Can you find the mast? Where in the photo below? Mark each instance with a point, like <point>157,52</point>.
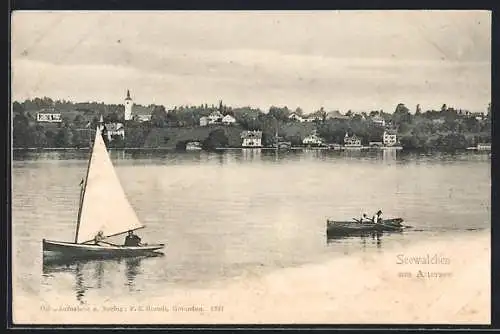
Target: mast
<point>82,192</point>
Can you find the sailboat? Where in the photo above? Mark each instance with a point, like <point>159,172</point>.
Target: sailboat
<point>103,209</point>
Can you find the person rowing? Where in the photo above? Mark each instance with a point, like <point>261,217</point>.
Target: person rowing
<point>377,218</point>
<point>364,219</point>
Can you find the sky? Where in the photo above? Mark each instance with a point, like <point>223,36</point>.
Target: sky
<point>339,60</point>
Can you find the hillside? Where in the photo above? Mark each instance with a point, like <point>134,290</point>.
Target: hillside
<point>170,137</point>
<point>296,130</point>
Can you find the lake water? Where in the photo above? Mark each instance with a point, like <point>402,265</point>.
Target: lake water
<point>224,215</point>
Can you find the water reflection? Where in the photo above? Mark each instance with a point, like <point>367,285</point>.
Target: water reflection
<point>159,156</point>
<point>54,154</point>
<point>353,154</point>
<point>118,154</point>
<point>99,273</point>
<point>91,274</point>
<point>389,155</point>
<point>279,156</point>
<point>79,283</point>
<point>312,152</point>
<point>250,154</point>
<point>365,238</point>
<point>132,269</point>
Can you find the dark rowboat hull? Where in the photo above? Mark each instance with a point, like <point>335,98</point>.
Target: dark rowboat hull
<point>347,227</point>
<point>69,249</point>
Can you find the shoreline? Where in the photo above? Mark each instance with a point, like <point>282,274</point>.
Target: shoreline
<point>296,148</point>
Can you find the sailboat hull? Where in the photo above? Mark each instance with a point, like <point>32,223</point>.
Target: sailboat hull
<point>96,251</point>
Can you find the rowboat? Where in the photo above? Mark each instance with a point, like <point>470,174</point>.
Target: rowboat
<point>103,208</point>
<point>347,227</point>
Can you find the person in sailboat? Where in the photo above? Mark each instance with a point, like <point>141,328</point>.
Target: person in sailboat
<point>132,239</point>
<point>99,237</point>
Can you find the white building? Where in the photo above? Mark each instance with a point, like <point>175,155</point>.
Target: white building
<point>114,129</point>
<point>336,115</point>
<point>312,140</point>
<point>378,120</point>
<point>143,117</point>
<point>251,139</point>
<point>438,121</point>
<point>313,119</point>
<point>351,141</point>
<point>484,146</point>
<point>215,117</point>
<point>479,116</point>
<point>296,117</point>
<point>128,107</point>
<point>389,138</point>
<point>193,146</point>
<point>141,113</point>
<point>228,120</point>
<point>49,116</point>
<point>203,121</point>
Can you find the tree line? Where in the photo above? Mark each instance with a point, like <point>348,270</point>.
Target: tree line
<point>446,128</point>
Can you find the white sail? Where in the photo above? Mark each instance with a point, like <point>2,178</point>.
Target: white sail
<point>105,206</point>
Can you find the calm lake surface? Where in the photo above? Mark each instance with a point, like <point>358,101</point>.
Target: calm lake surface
<point>223,215</point>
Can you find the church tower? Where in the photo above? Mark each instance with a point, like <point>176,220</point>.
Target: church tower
<point>128,107</point>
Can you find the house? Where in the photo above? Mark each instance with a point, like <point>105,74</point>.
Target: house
<point>114,129</point>
<point>375,144</point>
<point>215,117</point>
<point>313,118</point>
<point>203,121</point>
<point>141,113</point>
<point>251,138</point>
<point>228,120</point>
<point>359,115</point>
<point>438,121</point>
<point>351,141</point>
<point>336,115</point>
<point>48,116</point>
<point>389,138</point>
<point>479,116</point>
<point>296,117</point>
<point>312,140</point>
<point>377,120</point>
<point>193,146</point>
<point>484,146</point>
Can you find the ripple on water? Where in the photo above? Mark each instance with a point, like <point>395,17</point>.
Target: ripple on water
<point>236,214</point>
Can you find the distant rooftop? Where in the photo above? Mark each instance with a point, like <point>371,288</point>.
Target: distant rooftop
<point>113,126</point>
<point>251,134</point>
